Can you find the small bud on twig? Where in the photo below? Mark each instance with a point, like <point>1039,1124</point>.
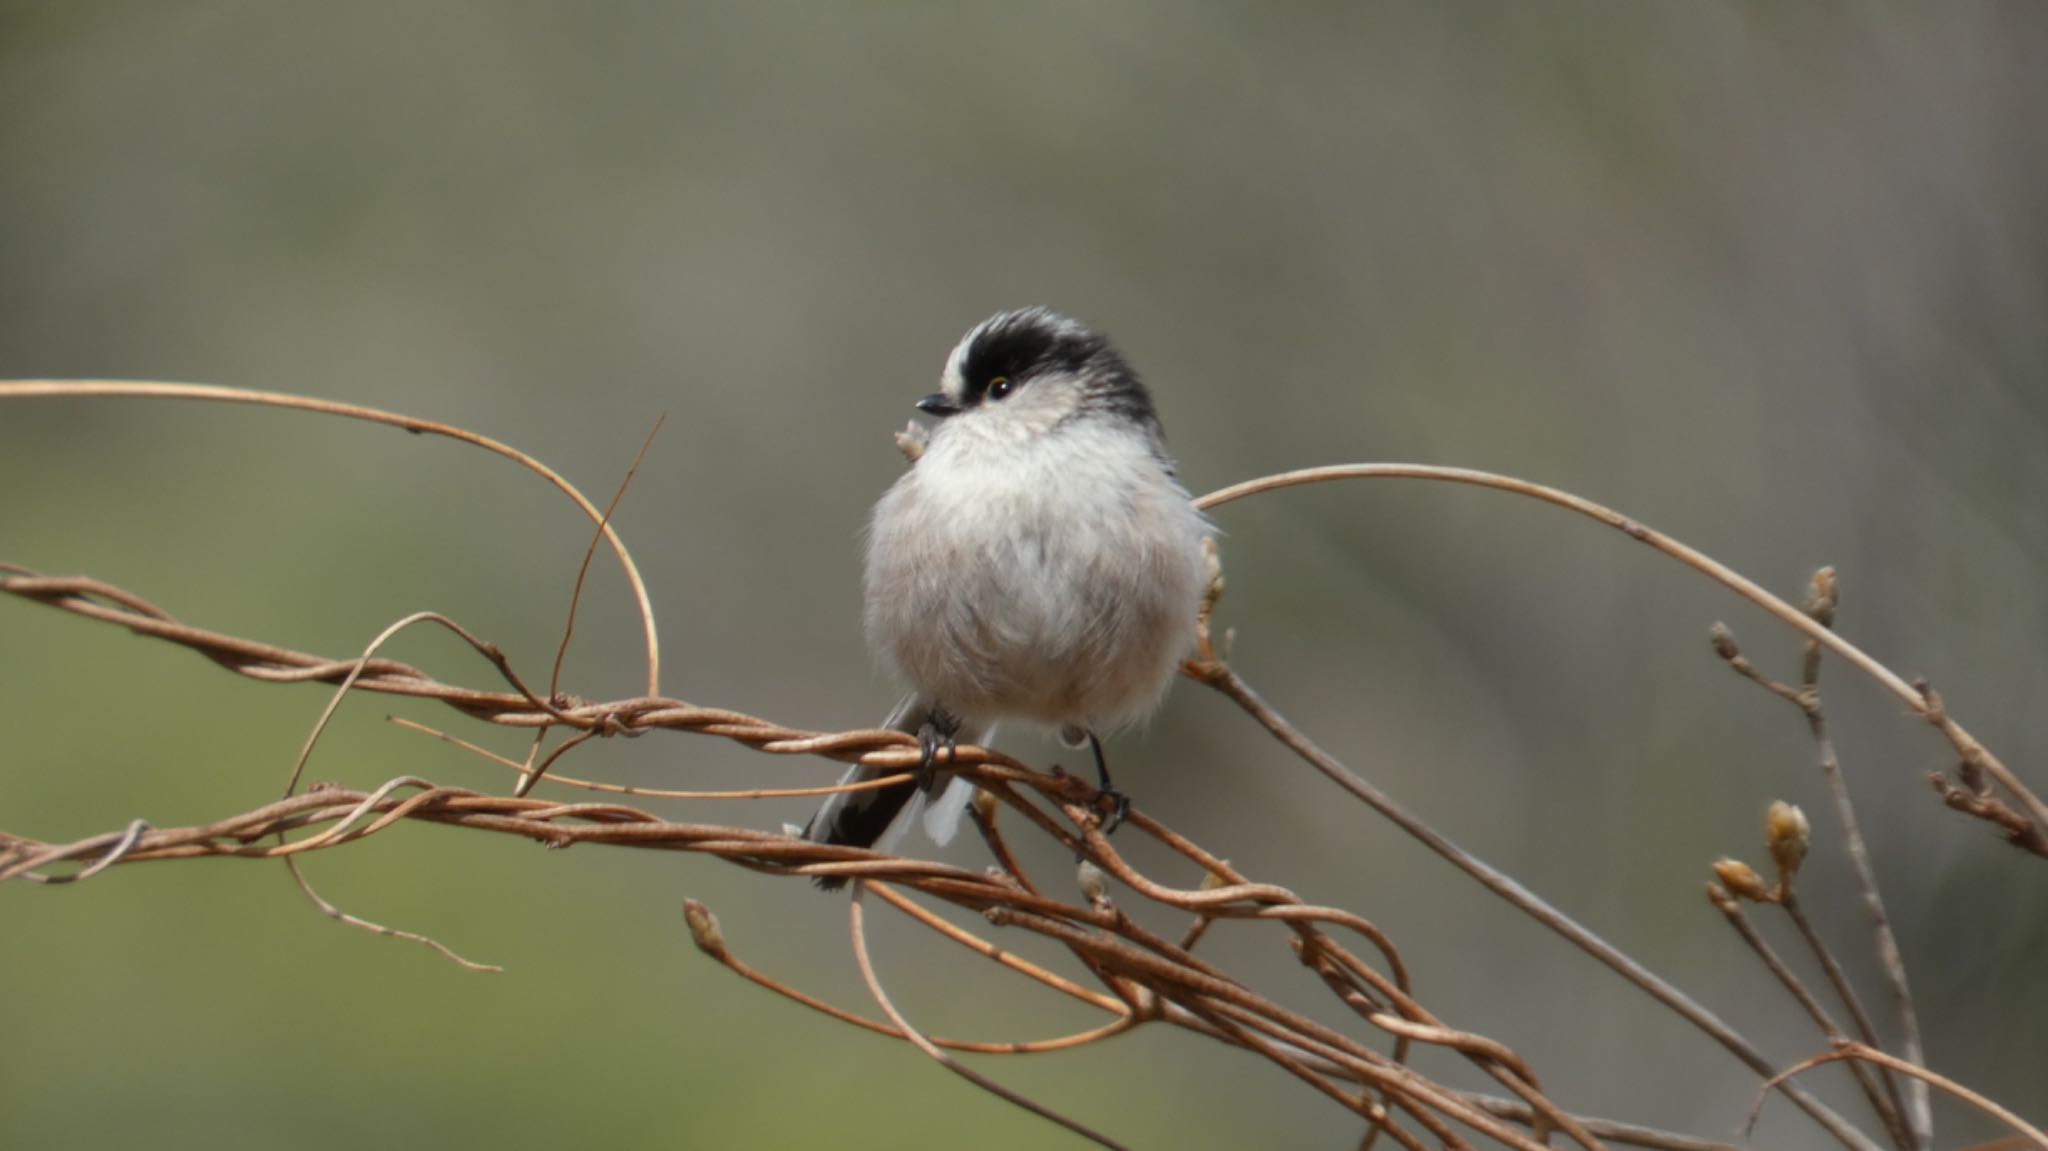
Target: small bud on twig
<point>704,930</point>
<point>1094,884</point>
<point>1787,832</point>
<point>1724,642</point>
<point>1742,879</point>
<point>1822,598</point>
<point>984,804</point>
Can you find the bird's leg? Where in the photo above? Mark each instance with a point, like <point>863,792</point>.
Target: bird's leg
<point>1119,803</point>
<point>935,733</point>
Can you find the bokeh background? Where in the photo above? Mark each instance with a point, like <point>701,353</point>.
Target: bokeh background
<point>1771,277</point>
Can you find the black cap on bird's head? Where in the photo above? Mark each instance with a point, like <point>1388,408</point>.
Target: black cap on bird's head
<point>1072,368</point>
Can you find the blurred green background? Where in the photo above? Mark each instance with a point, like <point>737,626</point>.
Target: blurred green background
<point>1771,277</point>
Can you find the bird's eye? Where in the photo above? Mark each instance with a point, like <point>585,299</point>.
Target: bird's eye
<point>999,387</point>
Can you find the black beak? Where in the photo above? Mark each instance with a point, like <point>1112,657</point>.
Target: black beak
<point>938,405</point>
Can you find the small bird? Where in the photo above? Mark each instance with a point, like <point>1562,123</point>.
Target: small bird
<point>1038,563</point>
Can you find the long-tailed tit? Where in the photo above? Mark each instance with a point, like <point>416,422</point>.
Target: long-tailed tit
<point>1038,563</point>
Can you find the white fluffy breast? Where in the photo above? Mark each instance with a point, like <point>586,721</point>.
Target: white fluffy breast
<point>1050,576</point>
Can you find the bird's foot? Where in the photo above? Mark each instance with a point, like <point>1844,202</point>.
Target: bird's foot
<point>1119,806</point>
<point>1118,803</point>
<point>934,735</point>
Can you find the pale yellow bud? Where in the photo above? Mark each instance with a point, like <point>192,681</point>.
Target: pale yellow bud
<point>1742,879</point>
<point>1787,833</point>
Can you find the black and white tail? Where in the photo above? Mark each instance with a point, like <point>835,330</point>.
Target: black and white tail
<point>877,818</point>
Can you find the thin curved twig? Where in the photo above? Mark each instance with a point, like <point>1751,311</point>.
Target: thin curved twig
<point>604,524</point>
<point>1884,1104</point>
<point>1217,675</point>
<point>918,1039</point>
<point>1913,697</point>
<point>339,916</point>
<point>1845,1049</point>
<point>876,784</point>
<point>150,389</point>
<point>710,939</point>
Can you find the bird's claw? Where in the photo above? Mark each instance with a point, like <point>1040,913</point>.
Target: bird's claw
<point>1119,806</point>
<point>1119,803</point>
<point>936,734</point>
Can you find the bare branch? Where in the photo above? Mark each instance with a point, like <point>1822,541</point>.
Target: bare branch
<point>917,1039</point>
<point>1846,1050</point>
<point>1139,977</point>
<point>135,389</point>
<point>1823,601</point>
<point>1227,681</point>
<point>1966,745</point>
